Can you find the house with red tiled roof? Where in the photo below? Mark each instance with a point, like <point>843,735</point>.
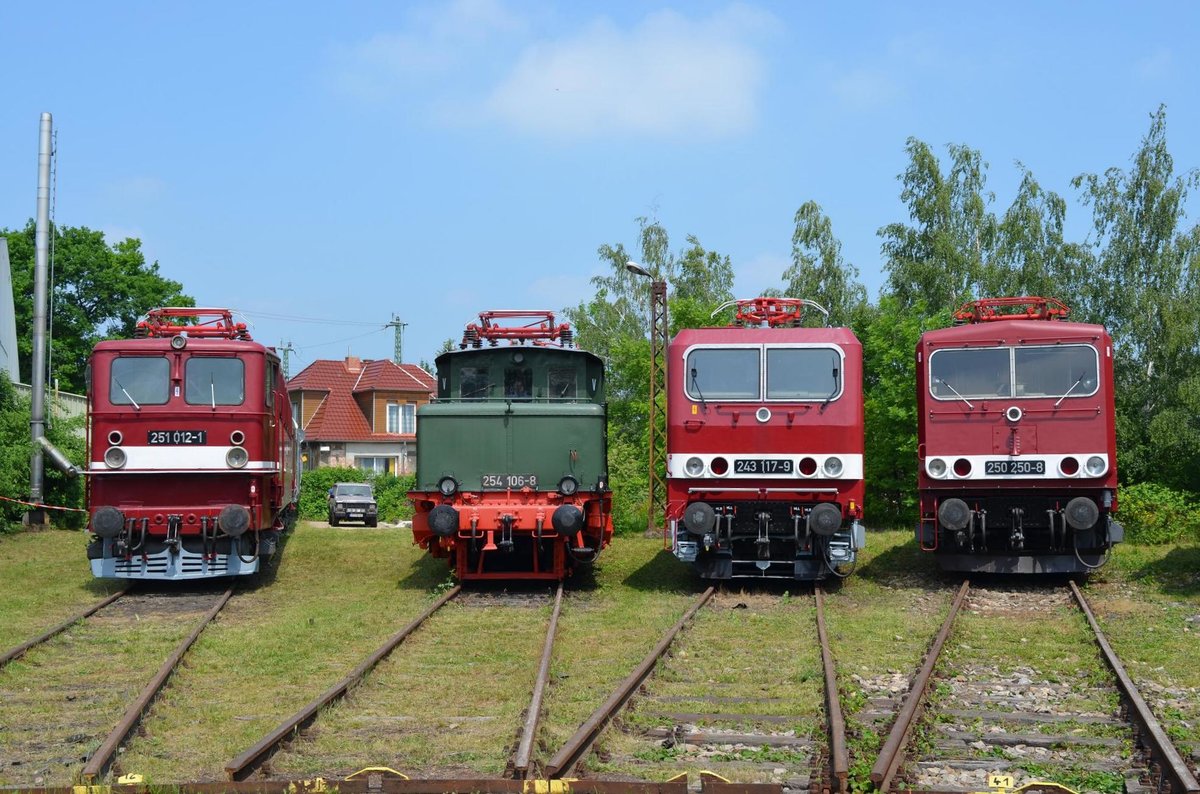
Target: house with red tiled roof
<point>360,413</point>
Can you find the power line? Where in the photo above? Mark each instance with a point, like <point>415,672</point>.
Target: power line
<point>339,341</point>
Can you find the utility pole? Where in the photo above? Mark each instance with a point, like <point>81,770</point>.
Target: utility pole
<point>285,349</point>
<point>398,353</point>
<point>657,497</point>
<point>41,268</point>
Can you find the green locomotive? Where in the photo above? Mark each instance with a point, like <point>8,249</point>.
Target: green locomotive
<point>512,457</point>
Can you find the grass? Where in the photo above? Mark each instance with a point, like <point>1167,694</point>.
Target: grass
<point>450,699</point>
<point>337,596</point>
<point>44,579</point>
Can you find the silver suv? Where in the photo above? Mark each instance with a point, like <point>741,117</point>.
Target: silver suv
<point>352,501</point>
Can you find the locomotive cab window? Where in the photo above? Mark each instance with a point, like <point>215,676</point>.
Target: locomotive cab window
<point>1061,370</point>
<point>722,373</point>
<point>518,383</point>
<point>139,380</point>
<point>473,383</point>
<point>214,381</point>
<point>803,373</point>
<point>563,383</point>
<point>1005,372</point>
<point>977,373</point>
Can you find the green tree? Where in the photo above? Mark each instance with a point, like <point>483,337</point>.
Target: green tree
<point>818,271</point>
<point>939,258</point>
<point>99,292</point>
<point>1143,283</point>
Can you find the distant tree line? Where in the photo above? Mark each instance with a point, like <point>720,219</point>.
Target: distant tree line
<point>1136,273</point>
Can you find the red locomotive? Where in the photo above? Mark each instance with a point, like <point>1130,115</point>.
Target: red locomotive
<point>512,456</point>
<point>193,469</point>
<point>765,445</point>
<point>1017,451</point>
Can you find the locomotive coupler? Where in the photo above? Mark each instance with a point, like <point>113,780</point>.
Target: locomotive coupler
<point>1017,538</point>
<point>174,523</point>
<point>506,529</point>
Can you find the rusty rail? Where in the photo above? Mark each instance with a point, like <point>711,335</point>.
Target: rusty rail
<point>838,755</point>
<point>571,753</point>
<point>533,715</point>
<point>368,784</point>
<point>98,763</point>
<point>249,760</point>
<point>19,651</point>
<point>1170,764</point>
<point>892,752</point>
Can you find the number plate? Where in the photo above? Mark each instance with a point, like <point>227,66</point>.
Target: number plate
<point>764,466</point>
<point>176,437</point>
<point>505,482</point>
<point>1017,467</point>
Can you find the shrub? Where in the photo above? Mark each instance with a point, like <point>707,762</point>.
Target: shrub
<point>391,492</point>
<point>16,448</point>
<point>1153,513</point>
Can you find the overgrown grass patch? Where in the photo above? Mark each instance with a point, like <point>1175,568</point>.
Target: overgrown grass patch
<point>336,597</point>
<point>44,579</point>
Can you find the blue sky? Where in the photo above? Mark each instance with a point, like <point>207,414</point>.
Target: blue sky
<point>322,166</point>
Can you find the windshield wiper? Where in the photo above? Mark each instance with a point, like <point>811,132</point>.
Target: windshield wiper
<point>836,386</point>
<point>956,394</point>
<point>132,401</point>
<point>1073,385</point>
<point>696,386</point>
<point>212,387</point>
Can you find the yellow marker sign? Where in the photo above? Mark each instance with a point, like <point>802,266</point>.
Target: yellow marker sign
<point>694,410</point>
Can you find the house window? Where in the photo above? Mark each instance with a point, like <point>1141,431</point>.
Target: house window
<point>378,465</point>
<point>408,423</point>
<point>393,418</point>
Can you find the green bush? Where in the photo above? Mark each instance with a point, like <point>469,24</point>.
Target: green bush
<point>16,449</point>
<point>391,492</point>
<point>1153,513</point>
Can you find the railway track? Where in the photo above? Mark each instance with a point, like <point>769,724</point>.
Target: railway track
<point>724,707</point>
<point>1021,682</point>
<point>63,713</point>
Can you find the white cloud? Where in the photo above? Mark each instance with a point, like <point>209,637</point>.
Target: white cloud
<point>438,39</point>
<point>668,76</point>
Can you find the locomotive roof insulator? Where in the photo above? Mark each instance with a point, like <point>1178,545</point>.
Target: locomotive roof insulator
<point>541,328</point>
<point>1025,307</point>
<point>193,321</point>
<point>771,312</point>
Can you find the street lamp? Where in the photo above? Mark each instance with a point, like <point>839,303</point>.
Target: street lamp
<point>658,374</point>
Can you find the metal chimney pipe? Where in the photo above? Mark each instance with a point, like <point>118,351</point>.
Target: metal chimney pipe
<point>41,269</point>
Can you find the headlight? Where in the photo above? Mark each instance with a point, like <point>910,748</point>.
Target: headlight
<point>936,467</point>
<point>1096,465</point>
<point>237,458</point>
<point>447,486</point>
<point>568,485</point>
<point>694,467</point>
<point>833,467</point>
<point>114,457</point>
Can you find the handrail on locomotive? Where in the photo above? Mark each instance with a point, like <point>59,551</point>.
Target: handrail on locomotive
<point>772,312</point>
<point>1033,307</point>
<point>543,330</point>
<point>219,325</point>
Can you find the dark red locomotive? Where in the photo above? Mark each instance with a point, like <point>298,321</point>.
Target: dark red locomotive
<point>1017,451</point>
<point>193,450</point>
<point>765,445</point>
